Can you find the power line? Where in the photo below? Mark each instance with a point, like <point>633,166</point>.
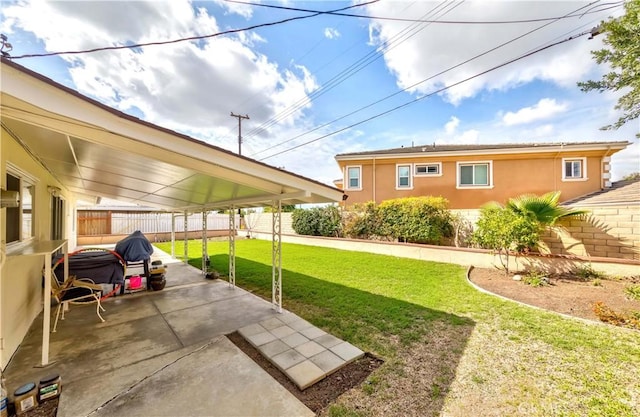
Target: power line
<point>609,5</point>
<point>191,38</point>
<point>431,94</point>
<point>353,69</point>
<point>419,82</point>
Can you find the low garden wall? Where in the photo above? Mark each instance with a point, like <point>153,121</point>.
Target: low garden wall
<point>465,256</point>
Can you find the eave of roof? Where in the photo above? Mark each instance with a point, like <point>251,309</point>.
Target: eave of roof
<point>487,149</point>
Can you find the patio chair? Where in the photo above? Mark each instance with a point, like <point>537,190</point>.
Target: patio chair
<point>75,291</point>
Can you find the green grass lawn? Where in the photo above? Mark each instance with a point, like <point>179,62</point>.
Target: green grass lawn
<point>449,349</point>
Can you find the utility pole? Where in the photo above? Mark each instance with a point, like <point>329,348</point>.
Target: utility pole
<point>240,117</point>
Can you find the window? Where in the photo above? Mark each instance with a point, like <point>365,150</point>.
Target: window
<point>574,169</point>
<point>429,169</point>
<point>403,176</point>
<point>353,178</point>
<point>20,224</point>
<point>475,174</point>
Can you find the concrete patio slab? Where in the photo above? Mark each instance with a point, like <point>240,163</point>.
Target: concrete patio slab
<point>191,386</point>
<point>158,355</point>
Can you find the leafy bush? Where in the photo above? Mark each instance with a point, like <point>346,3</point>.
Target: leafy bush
<point>317,221</point>
<point>361,221</point>
<point>504,231</point>
<point>633,292</point>
<point>415,219</point>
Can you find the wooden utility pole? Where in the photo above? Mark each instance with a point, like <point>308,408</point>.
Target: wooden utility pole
<point>240,117</point>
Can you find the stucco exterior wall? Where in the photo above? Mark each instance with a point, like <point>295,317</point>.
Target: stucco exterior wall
<point>21,276</point>
<point>513,175</point>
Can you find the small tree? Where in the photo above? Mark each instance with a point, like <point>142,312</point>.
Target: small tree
<point>505,231</point>
<point>622,55</point>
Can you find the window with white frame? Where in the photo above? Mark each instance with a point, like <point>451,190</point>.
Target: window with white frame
<point>403,176</point>
<point>574,169</point>
<point>354,180</point>
<point>434,169</point>
<point>20,224</point>
<point>475,174</point>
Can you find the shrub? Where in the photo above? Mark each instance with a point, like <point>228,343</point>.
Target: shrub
<point>415,219</point>
<point>505,231</point>
<point>361,221</point>
<point>317,221</point>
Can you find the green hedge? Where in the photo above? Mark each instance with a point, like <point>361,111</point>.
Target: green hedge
<point>317,221</point>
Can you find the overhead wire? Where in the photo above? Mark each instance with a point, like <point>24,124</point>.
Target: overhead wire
<point>190,38</point>
<point>457,22</point>
<point>354,68</point>
<point>422,81</point>
<point>430,94</point>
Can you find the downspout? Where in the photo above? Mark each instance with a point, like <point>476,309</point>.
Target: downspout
<point>555,166</point>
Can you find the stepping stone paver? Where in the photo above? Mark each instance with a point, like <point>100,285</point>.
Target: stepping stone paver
<point>328,361</point>
<point>287,359</point>
<point>282,332</point>
<point>328,340</point>
<point>294,339</point>
<point>312,332</point>
<point>310,349</point>
<point>273,348</point>
<point>261,338</point>
<point>251,329</point>
<point>305,374</point>
<point>347,351</point>
<point>272,323</point>
<point>300,350</point>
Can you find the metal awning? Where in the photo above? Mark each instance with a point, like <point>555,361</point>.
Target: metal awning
<point>97,151</point>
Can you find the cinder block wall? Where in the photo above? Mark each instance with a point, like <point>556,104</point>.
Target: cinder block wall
<point>612,232</point>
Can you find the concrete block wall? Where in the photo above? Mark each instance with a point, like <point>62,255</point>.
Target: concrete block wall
<point>611,232</point>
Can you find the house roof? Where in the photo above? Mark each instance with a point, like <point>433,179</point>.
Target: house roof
<point>97,151</point>
<point>621,193</point>
<point>498,148</point>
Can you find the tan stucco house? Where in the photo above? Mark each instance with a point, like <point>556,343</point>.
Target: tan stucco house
<point>472,175</point>
<point>59,147</point>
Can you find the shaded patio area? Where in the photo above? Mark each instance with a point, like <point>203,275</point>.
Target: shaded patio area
<point>160,353</point>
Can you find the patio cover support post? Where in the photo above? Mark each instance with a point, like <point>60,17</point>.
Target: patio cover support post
<point>205,252</point>
<point>232,247</point>
<point>173,235</point>
<point>186,237</point>
<point>276,256</point>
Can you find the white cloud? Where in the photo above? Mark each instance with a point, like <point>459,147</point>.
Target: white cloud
<point>244,10</point>
<point>426,57</point>
<point>544,109</point>
<point>451,125</point>
<point>331,33</point>
<point>188,86</point>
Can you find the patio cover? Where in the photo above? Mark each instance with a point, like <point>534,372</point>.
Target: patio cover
<point>97,151</point>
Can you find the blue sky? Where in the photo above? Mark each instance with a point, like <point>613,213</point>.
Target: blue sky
<point>285,76</point>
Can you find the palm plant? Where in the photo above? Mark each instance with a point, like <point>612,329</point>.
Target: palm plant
<point>544,208</point>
